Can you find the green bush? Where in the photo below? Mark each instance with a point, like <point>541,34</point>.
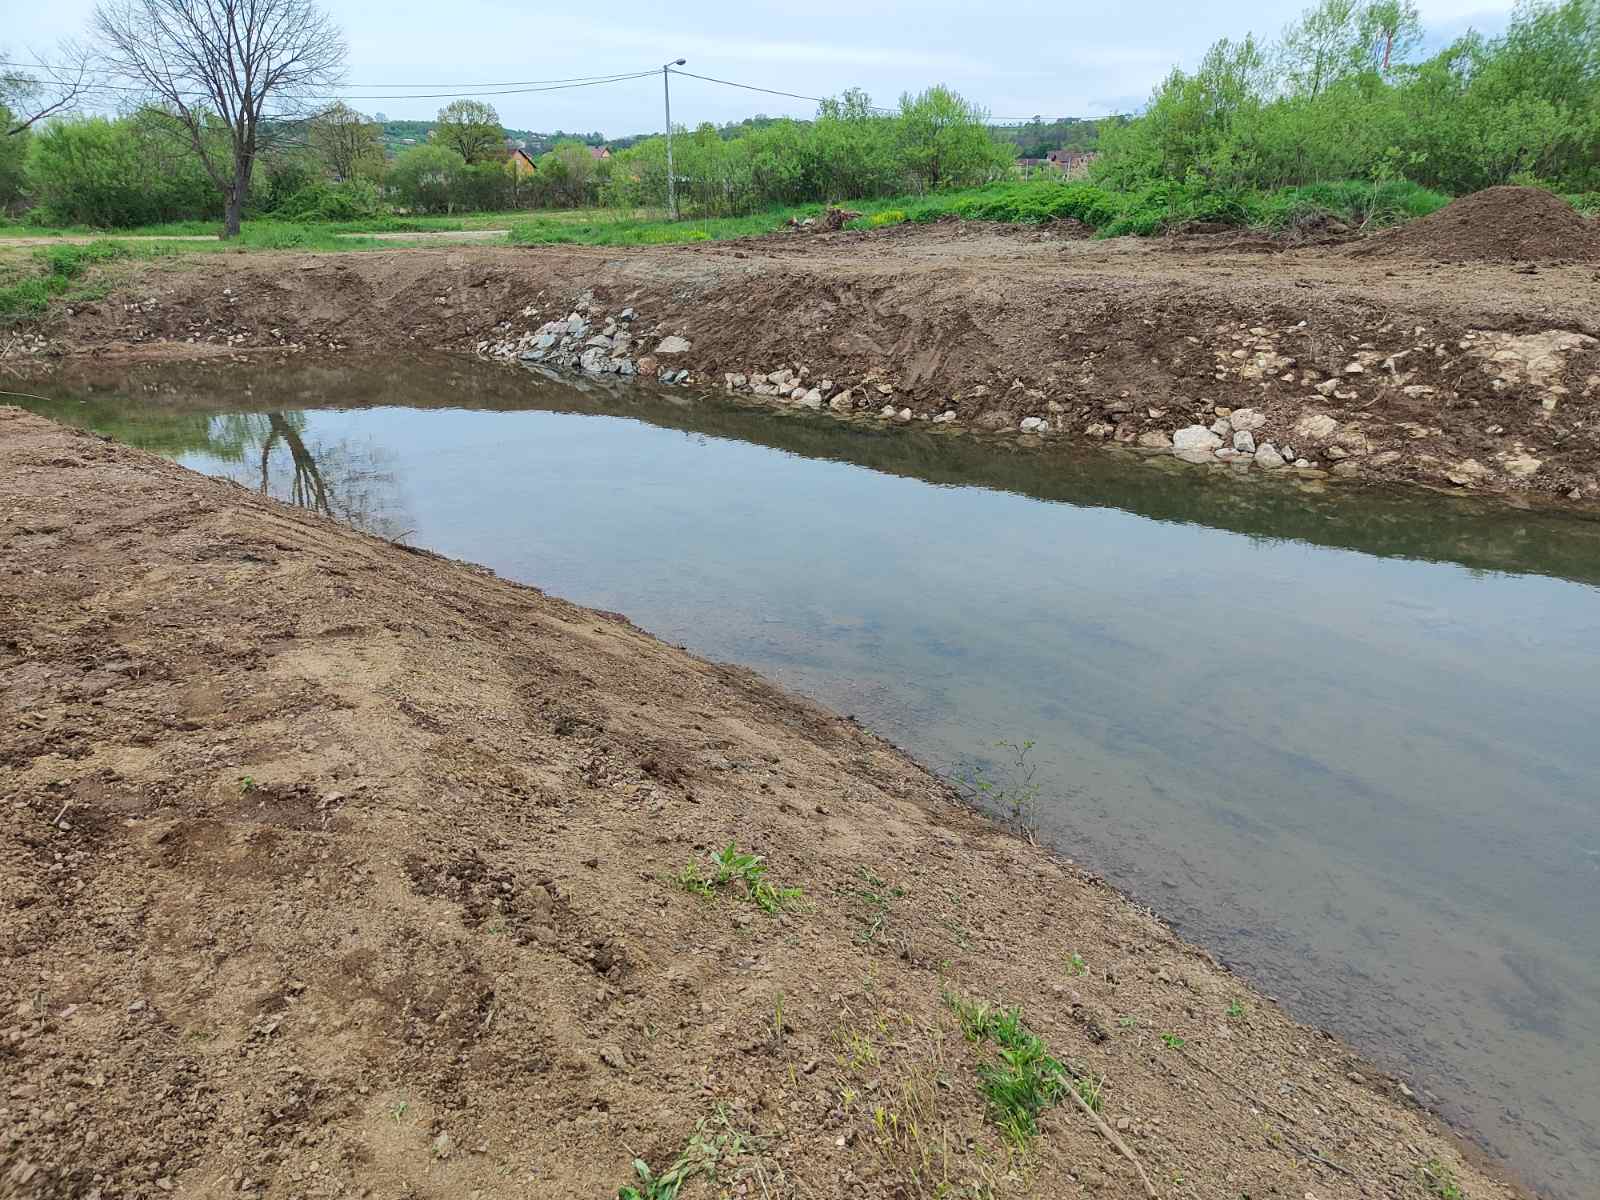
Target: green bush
<point>353,200</point>
<point>31,295</point>
<point>114,174</point>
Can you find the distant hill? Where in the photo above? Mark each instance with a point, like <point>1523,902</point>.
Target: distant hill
<point>397,135</point>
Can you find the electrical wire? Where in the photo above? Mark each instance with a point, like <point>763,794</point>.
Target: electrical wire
<point>524,87</point>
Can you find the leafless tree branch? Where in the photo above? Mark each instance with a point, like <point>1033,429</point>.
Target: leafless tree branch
<point>41,90</point>
<point>233,73</point>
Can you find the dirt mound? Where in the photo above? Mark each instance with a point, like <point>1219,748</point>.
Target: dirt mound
<point>1499,224</point>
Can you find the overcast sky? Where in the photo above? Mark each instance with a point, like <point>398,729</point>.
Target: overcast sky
<point>1035,56</point>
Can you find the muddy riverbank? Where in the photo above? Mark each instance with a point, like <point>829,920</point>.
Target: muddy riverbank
<point>332,863</point>
<point>1478,376</point>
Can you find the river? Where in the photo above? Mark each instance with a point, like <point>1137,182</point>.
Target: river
<point>1344,737</point>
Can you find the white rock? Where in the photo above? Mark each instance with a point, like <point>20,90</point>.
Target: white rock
<point>841,403</point>
<point>674,345</point>
<point>1244,441</point>
<point>1249,419</point>
<point>903,415</point>
<point>1267,457</point>
<point>1521,464</point>
<point>811,399</point>
<point>1222,427</point>
<point>1034,425</point>
<point>886,411</point>
<point>1195,437</point>
<point>1155,439</point>
<point>943,418</point>
<point>1316,426</point>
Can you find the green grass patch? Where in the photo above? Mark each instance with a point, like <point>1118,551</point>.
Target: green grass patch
<point>1024,1079</point>
<point>600,229</point>
<point>49,273</point>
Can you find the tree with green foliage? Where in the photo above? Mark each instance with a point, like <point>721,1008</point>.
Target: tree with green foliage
<point>472,129</point>
<point>425,178</point>
<point>943,140</point>
<point>1341,98</point>
<point>568,176</point>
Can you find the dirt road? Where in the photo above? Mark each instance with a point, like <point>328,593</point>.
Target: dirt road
<point>333,868</point>
<point>1474,376</point>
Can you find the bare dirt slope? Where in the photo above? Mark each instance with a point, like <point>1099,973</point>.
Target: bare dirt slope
<point>1482,376</point>
<point>331,868</point>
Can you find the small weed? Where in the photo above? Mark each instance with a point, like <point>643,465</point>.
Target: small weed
<point>1014,794</point>
<point>779,1026</point>
<point>859,1053</point>
<point>1172,1041</point>
<point>1091,1089</point>
<point>397,1110</point>
<point>1440,1180</point>
<point>712,1142</point>
<point>1128,1021</point>
<point>732,866</point>
<point>1236,1010</point>
<point>877,894</point>
<point>246,784</point>
<point>1076,965</point>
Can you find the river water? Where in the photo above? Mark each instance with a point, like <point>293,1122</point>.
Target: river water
<point>1348,739</point>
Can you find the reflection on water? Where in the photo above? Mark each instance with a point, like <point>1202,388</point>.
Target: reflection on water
<point>349,479</point>
<point>1345,738</point>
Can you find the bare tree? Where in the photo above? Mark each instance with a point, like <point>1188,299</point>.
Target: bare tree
<point>32,91</point>
<point>246,67</point>
<point>347,142</point>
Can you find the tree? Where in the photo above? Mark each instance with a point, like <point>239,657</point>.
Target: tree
<point>29,94</point>
<point>249,64</point>
<point>1391,29</point>
<point>1323,46</point>
<point>426,177</point>
<point>472,129</point>
<point>944,141</point>
<point>346,143</point>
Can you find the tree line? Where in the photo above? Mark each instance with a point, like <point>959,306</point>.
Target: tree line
<point>227,120</point>
<point>1342,94</point>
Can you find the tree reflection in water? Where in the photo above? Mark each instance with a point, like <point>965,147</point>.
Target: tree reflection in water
<point>350,481</point>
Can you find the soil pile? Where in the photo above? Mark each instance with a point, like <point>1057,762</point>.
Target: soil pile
<point>331,868</point>
<point>1499,224</point>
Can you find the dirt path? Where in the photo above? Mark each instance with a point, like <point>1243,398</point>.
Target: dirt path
<point>1470,376</point>
<point>334,868</point>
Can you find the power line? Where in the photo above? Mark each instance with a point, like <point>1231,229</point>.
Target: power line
<point>513,83</point>
<point>519,88</point>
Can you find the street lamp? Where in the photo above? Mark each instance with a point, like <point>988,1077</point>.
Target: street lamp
<point>666,92</point>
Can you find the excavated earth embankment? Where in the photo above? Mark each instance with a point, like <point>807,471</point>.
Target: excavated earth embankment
<point>1380,359</point>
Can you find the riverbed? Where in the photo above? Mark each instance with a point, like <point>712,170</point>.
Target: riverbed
<point>1342,737</point>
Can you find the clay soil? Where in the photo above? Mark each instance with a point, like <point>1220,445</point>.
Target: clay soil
<point>331,868</point>
<point>1393,363</point>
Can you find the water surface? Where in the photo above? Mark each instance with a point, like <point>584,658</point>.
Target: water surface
<point>1345,738</point>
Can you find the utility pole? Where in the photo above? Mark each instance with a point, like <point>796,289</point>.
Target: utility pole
<point>666,94</point>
